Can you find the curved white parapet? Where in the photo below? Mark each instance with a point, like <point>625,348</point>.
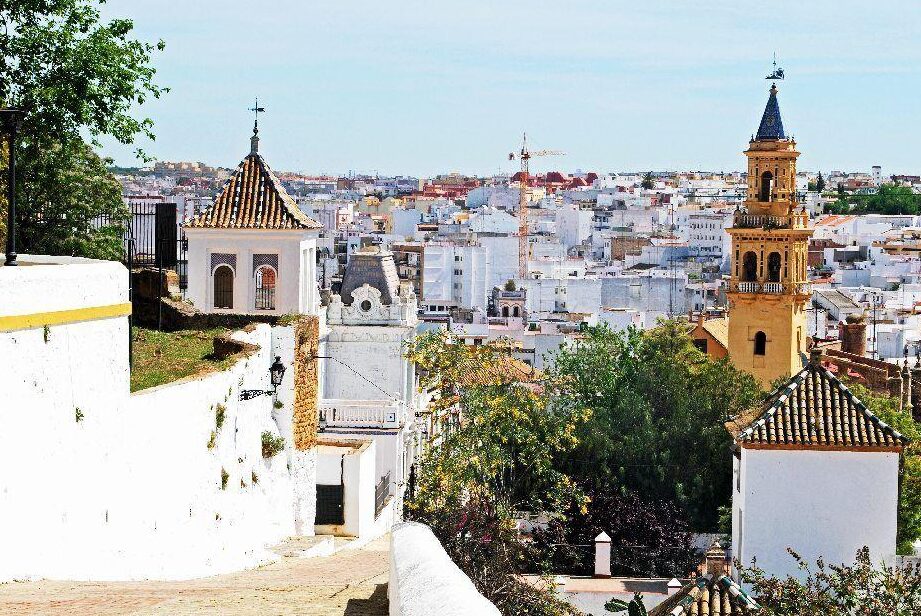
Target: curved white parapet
<point>425,581</point>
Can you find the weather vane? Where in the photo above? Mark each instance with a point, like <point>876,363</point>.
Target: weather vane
<point>778,72</point>
<point>256,111</point>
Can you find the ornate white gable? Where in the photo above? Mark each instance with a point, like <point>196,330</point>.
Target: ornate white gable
<point>368,309</point>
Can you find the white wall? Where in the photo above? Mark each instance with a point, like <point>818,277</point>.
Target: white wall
<point>296,283</point>
<point>823,504</point>
<point>132,490</point>
<point>352,467</point>
<point>425,581</point>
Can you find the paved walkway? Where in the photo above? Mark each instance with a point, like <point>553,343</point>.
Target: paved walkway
<point>350,582</point>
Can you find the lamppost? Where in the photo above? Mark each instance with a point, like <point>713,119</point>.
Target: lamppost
<point>11,120</point>
<point>276,373</point>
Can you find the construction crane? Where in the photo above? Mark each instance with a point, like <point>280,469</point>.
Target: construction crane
<point>525,155</point>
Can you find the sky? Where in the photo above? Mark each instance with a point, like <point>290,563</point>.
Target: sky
<point>420,87</point>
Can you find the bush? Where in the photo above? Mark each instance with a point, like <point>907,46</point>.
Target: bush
<point>219,414</point>
<point>271,444</point>
<point>224,477</point>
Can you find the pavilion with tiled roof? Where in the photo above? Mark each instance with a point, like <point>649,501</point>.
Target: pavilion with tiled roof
<point>253,250</point>
<point>815,470</point>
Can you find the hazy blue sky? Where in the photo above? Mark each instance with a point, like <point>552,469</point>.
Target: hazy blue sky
<point>425,86</point>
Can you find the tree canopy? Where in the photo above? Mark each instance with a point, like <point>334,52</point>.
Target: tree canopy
<point>889,199</point>
<point>658,407</point>
<point>75,76</point>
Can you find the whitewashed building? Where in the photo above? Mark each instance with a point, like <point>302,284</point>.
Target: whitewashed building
<point>369,386</point>
<point>253,250</point>
<point>814,470</point>
<point>455,276</point>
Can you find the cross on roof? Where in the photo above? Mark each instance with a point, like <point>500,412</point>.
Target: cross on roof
<point>256,111</point>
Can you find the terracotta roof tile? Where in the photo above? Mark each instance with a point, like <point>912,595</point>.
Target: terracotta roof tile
<point>720,597</point>
<point>253,198</point>
<point>815,409</point>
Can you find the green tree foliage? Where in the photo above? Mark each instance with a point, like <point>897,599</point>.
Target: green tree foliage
<point>820,182</point>
<point>74,75</point>
<point>658,406</point>
<point>648,538</point>
<point>648,181</point>
<point>864,588</point>
<point>494,456</point>
<point>909,516</point>
<point>889,199</point>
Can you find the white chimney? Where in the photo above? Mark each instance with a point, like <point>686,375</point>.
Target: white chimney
<point>602,555</point>
<point>673,586</point>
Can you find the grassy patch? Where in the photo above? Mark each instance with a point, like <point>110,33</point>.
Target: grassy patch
<point>163,357</point>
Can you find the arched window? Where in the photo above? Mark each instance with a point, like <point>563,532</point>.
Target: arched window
<point>767,184</point>
<point>516,312</point>
<point>223,287</point>
<point>760,343</point>
<point>774,267</point>
<point>749,267</point>
<point>265,288</point>
<point>505,311</point>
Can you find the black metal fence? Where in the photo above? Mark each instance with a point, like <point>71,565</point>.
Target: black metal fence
<point>153,238</point>
<point>381,492</point>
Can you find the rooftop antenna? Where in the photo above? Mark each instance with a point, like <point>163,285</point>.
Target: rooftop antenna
<point>254,140</point>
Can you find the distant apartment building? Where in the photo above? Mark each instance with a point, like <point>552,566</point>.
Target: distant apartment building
<point>454,276</point>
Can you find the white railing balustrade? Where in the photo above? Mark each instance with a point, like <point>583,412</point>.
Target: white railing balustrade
<point>772,287</point>
<point>748,287</point>
<point>361,413</point>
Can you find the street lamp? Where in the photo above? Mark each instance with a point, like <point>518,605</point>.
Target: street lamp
<point>11,121</point>
<point>276,374</point>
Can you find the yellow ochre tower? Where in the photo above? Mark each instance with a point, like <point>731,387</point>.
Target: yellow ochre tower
<point>768,288</point>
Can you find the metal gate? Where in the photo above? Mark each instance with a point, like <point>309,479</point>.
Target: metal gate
<point>329,504</point>
<point>153,238</point>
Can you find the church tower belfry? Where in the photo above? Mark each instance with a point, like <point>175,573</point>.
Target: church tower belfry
<point>768,287</point>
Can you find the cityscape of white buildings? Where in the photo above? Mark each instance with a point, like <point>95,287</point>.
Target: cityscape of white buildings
<point>619,248</point>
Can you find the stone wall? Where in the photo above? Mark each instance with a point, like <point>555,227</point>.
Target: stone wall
<point>306,396</point>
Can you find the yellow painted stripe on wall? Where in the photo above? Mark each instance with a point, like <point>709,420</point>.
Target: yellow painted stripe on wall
<point>61,317</point>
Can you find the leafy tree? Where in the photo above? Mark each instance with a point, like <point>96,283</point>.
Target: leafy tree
<point>509,285</point>
<point>75,76</point>
<point>658,406</point>
<point>634,607</point>
<point>494,457</point>
<point>909,516</point>
<point>648,181</point>
<point>820,183</point>
<point>864,588</point>
<point>648,538</point>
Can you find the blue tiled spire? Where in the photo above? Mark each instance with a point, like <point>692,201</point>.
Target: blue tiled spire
<point>771,124</point>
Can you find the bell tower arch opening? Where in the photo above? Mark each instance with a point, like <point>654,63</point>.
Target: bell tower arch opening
<point>767,186</point>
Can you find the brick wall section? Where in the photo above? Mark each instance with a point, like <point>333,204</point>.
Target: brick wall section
<point>306,382</point>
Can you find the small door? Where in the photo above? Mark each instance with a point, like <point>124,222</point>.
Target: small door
<point>329,504</point>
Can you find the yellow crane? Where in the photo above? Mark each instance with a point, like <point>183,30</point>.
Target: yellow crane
<point>525,155</point>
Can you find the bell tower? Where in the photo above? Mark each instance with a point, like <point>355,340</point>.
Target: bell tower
<point>768,287</point>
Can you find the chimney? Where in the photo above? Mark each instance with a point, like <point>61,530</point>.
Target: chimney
<point>673,586</point>
<point>716,560</point>
<point>853,334</point>
<point>602,555</point>
<point>815,357</point>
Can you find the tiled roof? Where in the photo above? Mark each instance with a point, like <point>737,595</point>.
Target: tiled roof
<point>719,329</point>
<point>771,124</point>
<point>503,371</point>
<point>815,409</point>
<point>253,198</point>
<point>720,597</point>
